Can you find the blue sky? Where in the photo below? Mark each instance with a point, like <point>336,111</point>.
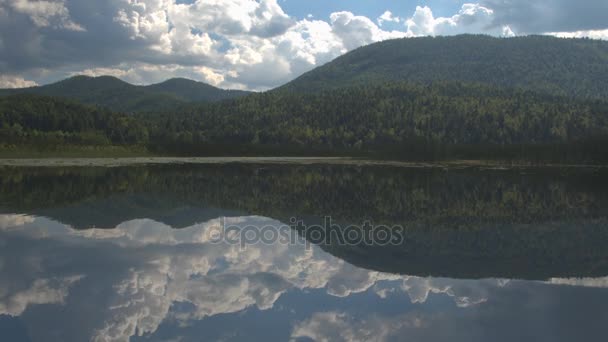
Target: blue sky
<point>248,44</point>
<point>321,9</point>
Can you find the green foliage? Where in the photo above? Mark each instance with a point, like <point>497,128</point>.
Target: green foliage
<point>46,122</point>
<point>573,67</point>
<point>192,91</point>
<point>422,120</point>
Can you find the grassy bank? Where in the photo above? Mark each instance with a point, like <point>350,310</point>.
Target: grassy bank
<point>72,151</point>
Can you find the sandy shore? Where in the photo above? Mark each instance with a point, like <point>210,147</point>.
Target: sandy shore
<point>114,162</point>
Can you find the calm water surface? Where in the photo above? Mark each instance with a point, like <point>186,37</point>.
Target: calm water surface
<point>131,253</point>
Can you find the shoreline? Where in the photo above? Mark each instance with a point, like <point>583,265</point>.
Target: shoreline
<point>127,161</point>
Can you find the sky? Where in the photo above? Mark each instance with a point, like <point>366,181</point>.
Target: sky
<point>248,44</point>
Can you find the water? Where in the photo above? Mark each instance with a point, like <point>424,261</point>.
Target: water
<point>142,253</point>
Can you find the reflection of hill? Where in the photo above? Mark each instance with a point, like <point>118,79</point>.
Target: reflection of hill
<point>456,198</point>
<point>460,223</point>
<point>503,251</point>
<point>112,211</point>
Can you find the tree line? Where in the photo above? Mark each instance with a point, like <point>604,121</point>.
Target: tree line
<point>439,120</point>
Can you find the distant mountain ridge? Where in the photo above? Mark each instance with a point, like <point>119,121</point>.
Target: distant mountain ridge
<point>566,67</point>
<point>190,90</point>
<point>118,95</point>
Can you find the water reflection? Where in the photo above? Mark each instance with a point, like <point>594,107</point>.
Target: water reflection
<point>144,279</point>
<point>126,254</point>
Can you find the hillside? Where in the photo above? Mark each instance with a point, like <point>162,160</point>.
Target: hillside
<point>571,67</point>
<point>192,91</point>
<point>27,119</point>
<point>117,95</point>
<point>379,117</point>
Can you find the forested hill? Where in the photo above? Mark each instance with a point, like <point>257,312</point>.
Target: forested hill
<point>193,91</point>
<point>48,122</point>
<point>395,120</point>
<point>117,95</point>
<point>376,117</point>
<point>572,67</point>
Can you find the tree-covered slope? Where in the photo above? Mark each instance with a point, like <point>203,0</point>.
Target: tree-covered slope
<point>27,119</point>
<point>395,113</point>
<point>117,95</point>
<point>573,67</point>
<point>189,90</point>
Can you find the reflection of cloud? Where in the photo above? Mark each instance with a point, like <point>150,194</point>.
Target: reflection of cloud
<point>464,295</point>
<point>166,266</point>
<point>152,268</point>
<point>335,326</point>
<point>586,282</point>
<point>138,308</point>
<point>14,220</point>
<point>42,291</point>
<point>160,267</point>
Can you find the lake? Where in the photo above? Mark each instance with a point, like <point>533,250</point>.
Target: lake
<point>323,250</point>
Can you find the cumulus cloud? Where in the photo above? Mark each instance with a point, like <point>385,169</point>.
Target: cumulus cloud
<point>593,34</point>
<point>472,18</point>
<point>525,16</point>
<point>15,82</point>
<point>44,13</point>
<point>355,31</point>
<point>387,16</point>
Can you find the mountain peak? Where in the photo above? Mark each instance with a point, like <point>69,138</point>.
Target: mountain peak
<point>181,82</point>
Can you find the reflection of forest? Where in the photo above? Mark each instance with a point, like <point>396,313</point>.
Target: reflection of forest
<point>457,198</point>
<point>531,224</point>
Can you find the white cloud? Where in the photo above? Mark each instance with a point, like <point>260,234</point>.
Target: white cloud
<point>471,18</point>
<point>355,31</point>
<point>537,17</point>
<point>45,13</point>
<point>593,34</point>
<point>15,82</point>
<point>387,16</point>
<point>263,18</point>
<point>95,72</point>
<point>144,73</point>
